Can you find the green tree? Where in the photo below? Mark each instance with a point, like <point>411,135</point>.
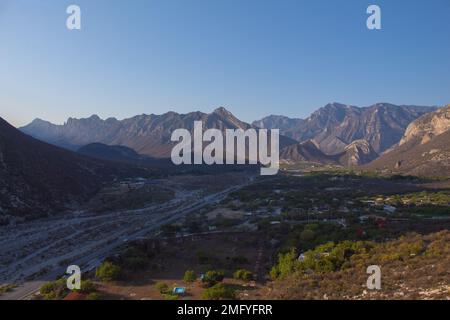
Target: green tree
<point>108,271</point>
<point>189,276</point>
<point>243,274</point>
<point>218,291</point>
<point>307,235</point>
<point>212,277</point>
<point>162,287</point>
<point>287,264</point>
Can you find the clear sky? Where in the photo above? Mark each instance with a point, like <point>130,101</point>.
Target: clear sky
<point>255,57</point>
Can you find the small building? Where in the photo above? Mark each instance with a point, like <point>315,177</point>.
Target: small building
<point>179,290</point>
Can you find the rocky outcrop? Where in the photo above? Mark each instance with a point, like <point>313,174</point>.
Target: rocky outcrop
<point>428,126</point>
<point>357,153</point>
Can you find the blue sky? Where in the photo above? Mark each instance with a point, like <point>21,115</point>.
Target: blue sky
<point>254,57</point>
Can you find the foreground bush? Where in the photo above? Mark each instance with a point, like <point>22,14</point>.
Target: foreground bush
<point>189,276</point>
<point>108,271</point>
<point>243,274</point>
<point>212,277</point>
<point>162,287</point>
<point>218,291</point>
<point>54,290</point>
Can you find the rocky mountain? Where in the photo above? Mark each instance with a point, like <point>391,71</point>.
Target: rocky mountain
<point>285,124</point>
<point>427,127</point>
<point>336,125</point>
<point>352,135</point>
<point>37,178</point>
<point>307,151</point>
<point>357,153</point>
<point>146,134</point>
<point>423,150</point>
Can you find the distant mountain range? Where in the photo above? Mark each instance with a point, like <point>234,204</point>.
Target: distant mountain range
<point>423,150</point>
<point>335,134</point>
<point>37,178</point>
<point>146,134</point>
<point>336,125</point>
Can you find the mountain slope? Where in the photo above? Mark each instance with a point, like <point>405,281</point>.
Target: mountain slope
<point>37,178</point>
<point>287,126</point>
<point>423,150</point>
<point>306,151</point>
<point>113,153</point>
<point>357,153</point>
<point>146,134</point>
<point>335,126</point>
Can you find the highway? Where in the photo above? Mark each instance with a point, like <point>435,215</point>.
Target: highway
<point>41,251</point>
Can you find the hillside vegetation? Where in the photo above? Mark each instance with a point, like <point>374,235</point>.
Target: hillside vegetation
<point>412,267</point>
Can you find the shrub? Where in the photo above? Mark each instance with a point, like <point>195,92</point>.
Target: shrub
<point>286,265</point>
<point>50,296</point>
<point>47,288</point>
<point>87,286</point>
<point>6,288</point>
<point>307,235</point>
<point>168,296</point>
<point>108,271</point>
<point>243,274</point>
<point>213,277</point>
<point>189,276</point>
<point>162,287</point>
<point>54,290</point>
<point>218,291</point>
<point>93,296</point>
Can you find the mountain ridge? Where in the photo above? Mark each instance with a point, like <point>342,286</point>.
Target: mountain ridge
<point>337,125</point>
<point>423,150</point>
<point>146,134</point>
<point>37,178</point>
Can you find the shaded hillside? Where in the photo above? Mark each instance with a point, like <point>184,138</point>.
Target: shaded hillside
<point>113,153</point>
<point>424,149</point>
<point>37,178</point>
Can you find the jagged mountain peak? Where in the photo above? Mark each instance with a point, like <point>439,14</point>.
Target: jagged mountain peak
<point>222,111</point>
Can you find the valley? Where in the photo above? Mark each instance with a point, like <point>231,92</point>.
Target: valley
<point>140,227</point>
<point>42,249</point>
<point>243,227</point>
